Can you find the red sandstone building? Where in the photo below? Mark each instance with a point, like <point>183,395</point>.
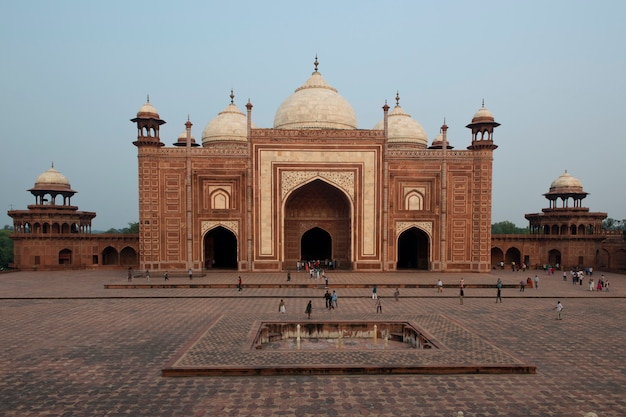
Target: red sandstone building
<point>565,234</point>
<point>314,186</point>
<point>54,234</point>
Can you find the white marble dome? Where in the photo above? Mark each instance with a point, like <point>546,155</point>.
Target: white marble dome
<point>147,111</point>
<point>483,115</point>
<point>52,180</point>
<point>402,128</point>
<point>231,124</point>
<point>315,105</point>
<point>566,184</point>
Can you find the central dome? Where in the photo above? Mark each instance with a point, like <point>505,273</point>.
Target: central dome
<point>315,105</point>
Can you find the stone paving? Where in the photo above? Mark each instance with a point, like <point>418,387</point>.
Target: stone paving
<point>71,347</point>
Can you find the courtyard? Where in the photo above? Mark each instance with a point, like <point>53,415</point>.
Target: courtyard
<point>85,343</point>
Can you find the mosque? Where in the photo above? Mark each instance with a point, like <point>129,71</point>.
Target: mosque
<point>314,186</point>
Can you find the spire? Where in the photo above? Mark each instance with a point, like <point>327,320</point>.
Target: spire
<point>397,98</point>
<point>232,96</point>
<point>147,98</point>
<point>316,63</point>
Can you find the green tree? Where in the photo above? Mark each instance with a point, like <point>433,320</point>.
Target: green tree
<point>132,228</point>
<point>507,228</point>
<point>6,247</point>
<point>612,224</point>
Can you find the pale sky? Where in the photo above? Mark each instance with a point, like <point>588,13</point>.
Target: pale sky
<point>73,73</point>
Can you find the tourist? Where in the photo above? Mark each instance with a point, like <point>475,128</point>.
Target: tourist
<point>461,294</point>
<point>166,276</point>
<point>288,276</point>
<point>281,307</point>
<point>239,285</point>
<point>522,285</point>
<point>309,309</point>
<point>190,272</point>
<point>130,274</point>
<point>374,295</point>
<point>379,307</point>
<point>396,294</point>
<point>591,288</point>
<point>564,276</point>
<point>499,287</point>
<point>439,285</point>
<point>326,279</point>
<point>327,298</point>
<point>147,275</point>
<point>559,308</point>
<point>333,300</point>
<point>536,282</point>
<point>606,285</point>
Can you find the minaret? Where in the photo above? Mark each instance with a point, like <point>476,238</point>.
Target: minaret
<point>148,123</point>
<point>482,126</point>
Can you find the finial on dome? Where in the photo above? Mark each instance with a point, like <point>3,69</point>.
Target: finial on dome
<point>232,96</point>
<point>53,165</point>
<point>148,98</point>
<point>316,63</point>
<point>483,102</point>
<point>397,98</point>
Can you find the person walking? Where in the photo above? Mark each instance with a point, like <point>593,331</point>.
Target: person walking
<point>439,285</point>
<point>327,298</point>
<point>333,300</point>
<point>239,284</point>
<point>166,276</point>
<point>374,295</point>
<point>461,295</point>
<point>130,274</point>
<point>281,307</point>
<point>559,309</point>
<point>288,276</point>
<point>536,281</point>
<point>190,273</point>
<point>499,288</point>
<point>147,275</point>
<point>309,309</point>
<point>396,294</point>
<point>379,306</point>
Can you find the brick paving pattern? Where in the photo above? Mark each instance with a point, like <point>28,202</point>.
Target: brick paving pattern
<point>71,347</point>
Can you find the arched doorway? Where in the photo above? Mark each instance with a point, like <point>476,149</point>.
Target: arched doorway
<point>220,249</point>
<point>513,255</point>
<point>317,224</point>
<point>128,256</point>
<point>65,257</point>
<point>497,256</point>
<point>554,257</point>
<point>316,244</point>
<point>110,256</point>
<point>413,249</point>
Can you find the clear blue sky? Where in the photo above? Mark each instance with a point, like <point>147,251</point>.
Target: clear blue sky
<point>74,72</point>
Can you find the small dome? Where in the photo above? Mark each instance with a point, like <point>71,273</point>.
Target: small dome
<point>147,111</point>
<point>566,184</point>
<point>483,115</point>
<point>229,125</point>
<point>315,105</point>
<point>182,140</point>
<point>402,128</point>
<point>52,180</point>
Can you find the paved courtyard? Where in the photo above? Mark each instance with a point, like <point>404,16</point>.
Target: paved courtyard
<point>71,347</point>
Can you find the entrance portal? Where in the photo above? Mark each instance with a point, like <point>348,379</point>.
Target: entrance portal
<point>316,244</point>
<point>220,249</point>
<point>413,249</point>
<point>317,224</point>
